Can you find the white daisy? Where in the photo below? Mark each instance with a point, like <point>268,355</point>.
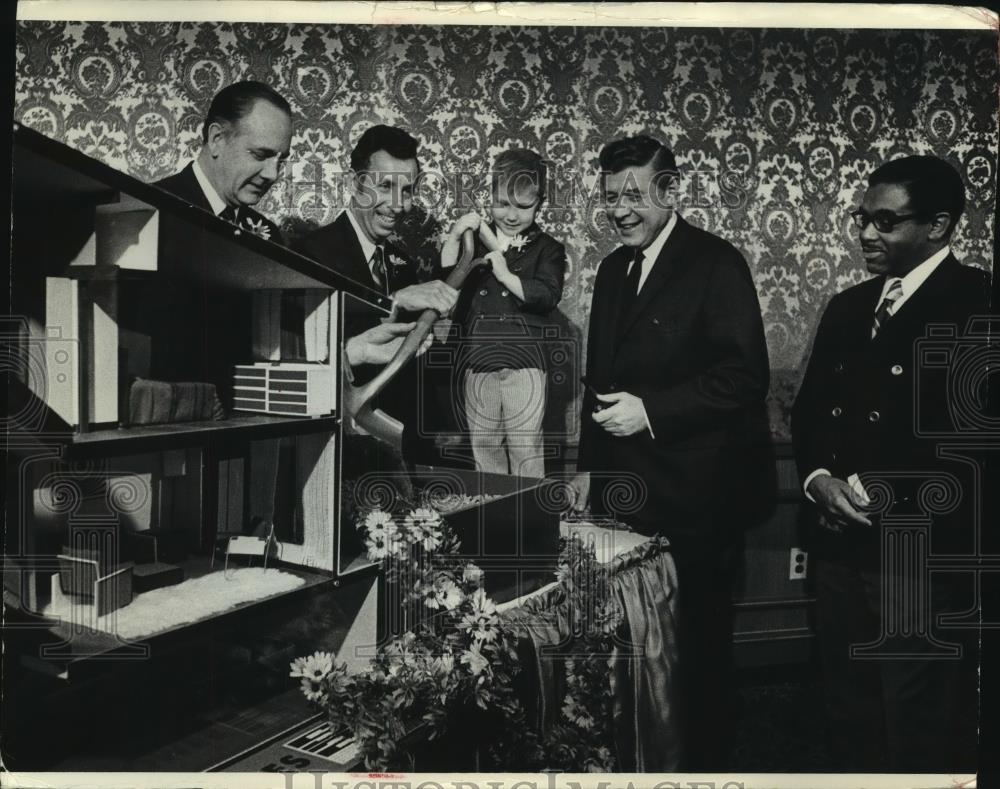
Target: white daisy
<point>313,669</point>
<point>423,527</point>
<point>443,594</point>
<point>474,659</point>
<point>315,666</point>
<point>481,623</point>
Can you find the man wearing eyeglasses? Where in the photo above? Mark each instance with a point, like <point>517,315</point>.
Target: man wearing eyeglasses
<point>246,138</point>
<point>862,461</point>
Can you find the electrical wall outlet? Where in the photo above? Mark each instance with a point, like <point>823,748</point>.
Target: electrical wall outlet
<point>797,563</point>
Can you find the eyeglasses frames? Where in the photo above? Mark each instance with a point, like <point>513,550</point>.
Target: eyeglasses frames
<point>884,221</point>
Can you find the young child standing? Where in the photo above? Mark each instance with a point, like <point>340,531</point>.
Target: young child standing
<point>501,315</point>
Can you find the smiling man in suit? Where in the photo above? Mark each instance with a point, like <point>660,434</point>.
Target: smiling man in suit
<point>384,169</point>
<point>245,141</point>
<point>855,429</point>
<point>677,358</point>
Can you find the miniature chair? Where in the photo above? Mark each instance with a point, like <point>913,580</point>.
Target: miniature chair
<point>86,575</point>
<point>149,572</point>
<point>249,545</point>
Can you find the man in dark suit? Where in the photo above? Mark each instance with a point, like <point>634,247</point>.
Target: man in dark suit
<point>856,426</point>
<point>384,168</point>
<point>245,141</point>
<point>356,244</point>
<point>677,357</point>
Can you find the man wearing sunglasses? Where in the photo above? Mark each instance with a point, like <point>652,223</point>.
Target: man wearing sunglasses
<point>903,706</point>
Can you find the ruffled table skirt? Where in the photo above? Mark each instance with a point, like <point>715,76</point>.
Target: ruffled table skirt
<point>643,663</point>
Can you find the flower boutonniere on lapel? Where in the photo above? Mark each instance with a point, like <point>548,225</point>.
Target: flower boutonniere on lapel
<point>396,261</point>
<point>519,242</point>
<point>257,227</point>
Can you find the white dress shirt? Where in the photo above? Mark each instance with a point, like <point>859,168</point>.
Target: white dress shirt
<point>914,279</point>
<point>909,284</point>
<point>217,203</point>
<point>503,240</point>
<point>652,252</point>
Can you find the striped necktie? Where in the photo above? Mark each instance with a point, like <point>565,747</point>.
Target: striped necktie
<point>883,313</point>
<point>378,269</point>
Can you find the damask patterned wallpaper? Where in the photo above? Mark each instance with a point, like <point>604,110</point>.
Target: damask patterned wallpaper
<point>776,130</point>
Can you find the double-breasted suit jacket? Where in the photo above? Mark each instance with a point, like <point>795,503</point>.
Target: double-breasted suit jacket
<point>879,407</point>
<point>488,313</point>
<point>692,347</point>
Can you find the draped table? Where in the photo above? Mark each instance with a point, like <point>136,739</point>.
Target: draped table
<point>642,665</point>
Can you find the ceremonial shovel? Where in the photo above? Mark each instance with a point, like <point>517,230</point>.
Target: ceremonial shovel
<point>358,399</point>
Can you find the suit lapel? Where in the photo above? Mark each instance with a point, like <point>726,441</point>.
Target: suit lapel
<point>856,331</point>
<point>663,270</point>
<point>354,255</point>
<point>514,255</point>
<point>192,190</point>
<point>602,321</point>
<point>912,315</point>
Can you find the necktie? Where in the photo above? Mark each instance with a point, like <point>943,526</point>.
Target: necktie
<point>229,214</point>
<point>882,314</point>
<point>630,290</point>
<point>378,268</point>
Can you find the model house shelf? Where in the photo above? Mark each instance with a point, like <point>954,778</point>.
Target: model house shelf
<point>183,490</point>
<point>155,543</point>
<point>50,173</point>
<point>238,426</point>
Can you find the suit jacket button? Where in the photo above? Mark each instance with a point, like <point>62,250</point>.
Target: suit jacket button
<point>483,292</point>
<point>838,367</point>
<point>897,369</point>
<point>837,410</point>
<point>874,416</point>
<point>503,293</point>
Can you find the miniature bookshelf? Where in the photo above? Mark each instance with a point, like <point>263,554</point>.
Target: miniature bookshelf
<point>116,281</point>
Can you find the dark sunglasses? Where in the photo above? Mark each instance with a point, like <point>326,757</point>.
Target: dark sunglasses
<point>884,221</point>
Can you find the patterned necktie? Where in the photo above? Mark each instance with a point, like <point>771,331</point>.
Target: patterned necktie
<point>378,268</point>
<point>229,214</point>
<point>882,314</point>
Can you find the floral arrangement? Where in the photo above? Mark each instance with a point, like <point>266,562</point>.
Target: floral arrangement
<point>583,739</point>
<point>453,660</point>
<point>453,667</point>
